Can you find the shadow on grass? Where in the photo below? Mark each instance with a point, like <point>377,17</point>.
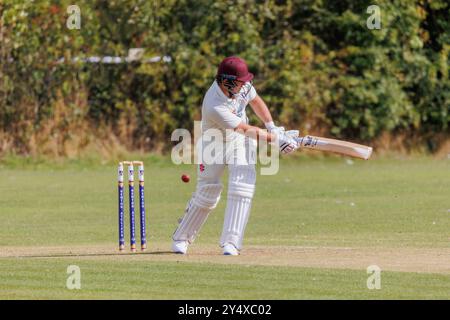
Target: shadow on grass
<point>65,255</point>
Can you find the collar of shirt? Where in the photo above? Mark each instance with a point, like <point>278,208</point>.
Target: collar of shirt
<point>220,92</point>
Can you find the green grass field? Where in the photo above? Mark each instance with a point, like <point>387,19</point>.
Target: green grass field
<point>391,212</point>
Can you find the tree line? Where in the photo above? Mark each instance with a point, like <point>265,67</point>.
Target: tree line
<point>316,64</point>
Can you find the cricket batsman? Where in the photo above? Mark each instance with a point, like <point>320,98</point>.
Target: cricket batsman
<point>223,110</point>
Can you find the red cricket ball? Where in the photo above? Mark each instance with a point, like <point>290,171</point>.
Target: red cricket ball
<point>185,178</point>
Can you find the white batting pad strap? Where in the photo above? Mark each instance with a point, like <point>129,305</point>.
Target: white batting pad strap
<point>240,189</point>
<point>204,200</point>
<point>236,218</point>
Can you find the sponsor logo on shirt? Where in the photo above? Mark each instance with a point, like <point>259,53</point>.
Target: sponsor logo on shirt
<point>237,107</point>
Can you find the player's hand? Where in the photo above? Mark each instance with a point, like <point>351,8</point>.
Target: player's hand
<point>294,134</point>
<point>286,140</point>
<point>272,128</point>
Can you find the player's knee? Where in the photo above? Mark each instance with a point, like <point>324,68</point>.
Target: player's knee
<point>245,174</point>
<point>208,195</point>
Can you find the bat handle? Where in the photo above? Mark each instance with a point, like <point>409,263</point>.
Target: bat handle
<point>299,141</point>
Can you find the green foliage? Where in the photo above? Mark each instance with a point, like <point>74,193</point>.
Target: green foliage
<point>316,63</point>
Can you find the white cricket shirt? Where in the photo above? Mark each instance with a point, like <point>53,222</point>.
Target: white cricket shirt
<point>221,112</point>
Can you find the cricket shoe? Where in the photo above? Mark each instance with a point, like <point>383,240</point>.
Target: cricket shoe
<point>180,247</point>
<point>230,250</point>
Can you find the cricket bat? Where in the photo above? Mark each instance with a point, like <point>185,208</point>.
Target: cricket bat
<point>337,146</point>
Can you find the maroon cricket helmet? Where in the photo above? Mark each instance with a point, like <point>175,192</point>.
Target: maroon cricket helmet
<point>235,67</point>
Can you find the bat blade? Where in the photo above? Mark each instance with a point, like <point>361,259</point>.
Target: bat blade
<point>336,146</point>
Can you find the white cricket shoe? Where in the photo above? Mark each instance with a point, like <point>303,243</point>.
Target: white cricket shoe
<point>180,246</point>
<point>230,250</point>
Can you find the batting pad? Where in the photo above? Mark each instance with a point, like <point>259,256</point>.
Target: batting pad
<point>200,205</point>
<point>241,188</point>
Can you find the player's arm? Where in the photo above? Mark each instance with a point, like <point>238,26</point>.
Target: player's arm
<point>255,132</point>
<point>262,111</point>
<point>286,140</point>
<point>225,119</point>
<point>260,108</point>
